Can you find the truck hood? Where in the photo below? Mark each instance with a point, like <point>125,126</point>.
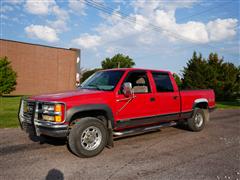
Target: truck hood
<point>62,95</point>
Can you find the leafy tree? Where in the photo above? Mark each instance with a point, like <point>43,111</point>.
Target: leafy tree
<point>194,73</point>
<point>116,61</point>
<point>178,80</point>
<point>7,77</point>
<point>119,60</point>
<point>213,73</point>
<point>88,73</point>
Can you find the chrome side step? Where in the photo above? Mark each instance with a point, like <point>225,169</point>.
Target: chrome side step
<point>143,129</point>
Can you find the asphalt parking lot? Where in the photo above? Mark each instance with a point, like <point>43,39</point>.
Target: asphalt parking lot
<point>171,153</point>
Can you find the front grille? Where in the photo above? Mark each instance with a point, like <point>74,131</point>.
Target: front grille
<point>28,110</point>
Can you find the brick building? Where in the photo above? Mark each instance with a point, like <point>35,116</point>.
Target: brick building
<point>41,69</point>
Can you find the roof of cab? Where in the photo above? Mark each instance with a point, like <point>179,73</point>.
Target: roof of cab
<point>135,69</point>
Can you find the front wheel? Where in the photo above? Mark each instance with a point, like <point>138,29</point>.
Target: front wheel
<point>197,122</point>
<point>88,137</point>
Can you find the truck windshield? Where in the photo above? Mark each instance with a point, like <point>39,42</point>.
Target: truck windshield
<point>103,80</point>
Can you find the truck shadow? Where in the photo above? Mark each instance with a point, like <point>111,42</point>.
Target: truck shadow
<point>38,143</point>
<point>48,140</point>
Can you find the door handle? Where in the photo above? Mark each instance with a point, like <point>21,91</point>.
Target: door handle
<point>175,97</point>
<point>152,99</point>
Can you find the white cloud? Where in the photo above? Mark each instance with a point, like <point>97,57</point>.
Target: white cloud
<point>221,29</point>
<point>15,1</point>
<point>3,17</point>
<point>153,28</point>
<point>88,41</point>
<point>77,6</point>
<point>44,33</point>
<point>39,7</point>
<point>191,31</point>
<point>6,8</point>
<point>60,24</point>
<point>49,7</point>
<point>120,1</point>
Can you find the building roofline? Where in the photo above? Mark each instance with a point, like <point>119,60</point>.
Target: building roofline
<point>71,49</point>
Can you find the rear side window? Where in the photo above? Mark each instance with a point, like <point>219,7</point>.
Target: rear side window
<point>163,82</point>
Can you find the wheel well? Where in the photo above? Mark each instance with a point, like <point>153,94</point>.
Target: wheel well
<point>202,105</point>
<point>100,114</point>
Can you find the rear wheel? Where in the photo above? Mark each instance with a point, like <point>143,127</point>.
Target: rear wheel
<point>88,137</point>
<point>197,122</point>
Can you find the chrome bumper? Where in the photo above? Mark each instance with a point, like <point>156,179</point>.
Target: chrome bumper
<point>39,127</point>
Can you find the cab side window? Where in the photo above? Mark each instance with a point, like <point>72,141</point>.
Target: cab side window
<point>140,82</point>
<point>163,82</point>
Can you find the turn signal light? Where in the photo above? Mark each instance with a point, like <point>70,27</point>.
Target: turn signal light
<point>58,118</point>
<point>58,108</point>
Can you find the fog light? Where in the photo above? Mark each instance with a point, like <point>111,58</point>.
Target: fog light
<point>48,118</point>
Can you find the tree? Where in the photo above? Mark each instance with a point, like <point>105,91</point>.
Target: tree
<point>7,77</point>
<point>194,73</point>
<point>118,61</point>
<point>212,73</point>
<point>88,73</point>
<point>178,80</point>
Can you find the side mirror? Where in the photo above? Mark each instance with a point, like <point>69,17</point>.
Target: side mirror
<point>127,89</point>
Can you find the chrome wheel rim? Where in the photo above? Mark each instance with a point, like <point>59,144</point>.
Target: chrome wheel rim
<point>91,138</point>
<point>198,120</point>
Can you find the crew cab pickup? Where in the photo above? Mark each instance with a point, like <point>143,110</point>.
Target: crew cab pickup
<point>113,103</point>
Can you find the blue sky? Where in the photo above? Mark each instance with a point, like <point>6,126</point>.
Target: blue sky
<point>157,34</point>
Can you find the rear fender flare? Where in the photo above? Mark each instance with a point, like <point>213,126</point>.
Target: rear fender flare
<point>198,101</point>
<point>202,102</point>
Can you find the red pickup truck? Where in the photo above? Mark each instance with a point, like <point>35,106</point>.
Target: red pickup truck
<point>113,103</point>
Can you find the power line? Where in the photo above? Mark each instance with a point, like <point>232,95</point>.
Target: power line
<point>206,10</point>
<point>131,20</point>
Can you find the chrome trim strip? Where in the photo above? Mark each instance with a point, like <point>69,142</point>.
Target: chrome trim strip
<point>49,124</point>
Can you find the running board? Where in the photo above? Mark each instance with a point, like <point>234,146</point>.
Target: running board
<point>143,129</point>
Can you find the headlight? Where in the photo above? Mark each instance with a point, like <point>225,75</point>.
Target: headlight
<point>53,112</point>
<point>47,107</point>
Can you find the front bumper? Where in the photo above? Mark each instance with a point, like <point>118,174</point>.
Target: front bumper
<point>40,127</point>
<point>49,129</point>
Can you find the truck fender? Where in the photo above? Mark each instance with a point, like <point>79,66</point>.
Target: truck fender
<point>95,107</point>
<point>91,107</point>
<point>202,103</point>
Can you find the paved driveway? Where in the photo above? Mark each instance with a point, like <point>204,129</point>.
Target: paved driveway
<point>171,153</point>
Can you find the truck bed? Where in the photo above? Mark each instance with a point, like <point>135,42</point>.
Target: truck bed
<point>190,97</point>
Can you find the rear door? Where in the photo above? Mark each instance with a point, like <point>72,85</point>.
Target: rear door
<point>167,95</point>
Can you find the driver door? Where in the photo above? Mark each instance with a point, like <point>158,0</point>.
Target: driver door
<point>141,104</point>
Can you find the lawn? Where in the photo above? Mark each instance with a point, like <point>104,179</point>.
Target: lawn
<point>228,105</point>
<point>9,110</point>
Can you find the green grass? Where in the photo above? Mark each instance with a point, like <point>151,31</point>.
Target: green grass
<point>9,110</point>
<point>228,105</point>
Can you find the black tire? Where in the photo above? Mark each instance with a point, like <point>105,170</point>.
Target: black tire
<point>198,120</point>
<point>78,132</point>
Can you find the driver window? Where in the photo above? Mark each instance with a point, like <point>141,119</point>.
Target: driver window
<point>140,83</point>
